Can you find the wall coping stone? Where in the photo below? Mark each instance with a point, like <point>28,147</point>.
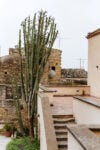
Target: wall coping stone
<point>84,136</point>
<point>88,100</point>
<point>45,89</point>
<point>67,86</point>
<point>48,123</point>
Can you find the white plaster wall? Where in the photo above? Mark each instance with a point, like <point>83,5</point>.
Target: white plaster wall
<point>85,113</point>
<point>93,61</point>
<point>72,143</point>
<point>43,144</point>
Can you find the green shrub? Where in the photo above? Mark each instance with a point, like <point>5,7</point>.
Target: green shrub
<point>25,143</point>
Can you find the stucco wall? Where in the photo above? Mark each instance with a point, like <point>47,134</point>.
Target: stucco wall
<point>43,144</point>
<point>94,65</point>
<point>72,143</point>
<point>85,113</point>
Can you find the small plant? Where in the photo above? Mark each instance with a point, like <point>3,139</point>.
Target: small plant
<point>8,129</point>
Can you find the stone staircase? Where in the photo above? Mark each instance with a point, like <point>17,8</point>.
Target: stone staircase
<point>60,122</point>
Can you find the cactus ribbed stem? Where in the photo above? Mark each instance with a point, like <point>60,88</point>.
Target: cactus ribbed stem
<point>39,35</point>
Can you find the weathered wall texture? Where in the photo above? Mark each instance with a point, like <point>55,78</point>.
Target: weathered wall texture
<point>9,67</point>
<point>7,107</point>
<point>54,63</point>
<point>9,70</point>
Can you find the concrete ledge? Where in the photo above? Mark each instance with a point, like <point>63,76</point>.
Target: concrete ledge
<point>86,138</point>
<point>45,89</point>
<point>71,90</point>
<point>70,86</point>
<point>46,124</point>
<point>49,127</point>
<point>88,100</point>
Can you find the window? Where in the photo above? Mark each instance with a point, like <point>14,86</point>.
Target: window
<point>53,68</point>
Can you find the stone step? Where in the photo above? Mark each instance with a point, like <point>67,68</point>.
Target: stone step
<point>62,116</point>
<point>62,145</point>
<point>62,138</point>
<point>63,148</point>
<point>61,130</point>
<point>61,133</point>
<point>60,122</point>
<point>57,126</point>
<point>63,121</point>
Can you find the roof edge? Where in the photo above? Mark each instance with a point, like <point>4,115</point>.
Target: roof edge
<point>94,33</point>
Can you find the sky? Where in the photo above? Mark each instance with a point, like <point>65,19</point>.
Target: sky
<point>74,18</point>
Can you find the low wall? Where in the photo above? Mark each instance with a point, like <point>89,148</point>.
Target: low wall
<point>80,137</point>
<point>71,90</point>
<point>47,134</point>
<point>73,143</point>
<point>86,111</point>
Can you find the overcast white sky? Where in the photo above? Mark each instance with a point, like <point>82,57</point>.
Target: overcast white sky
<point>75,18</point>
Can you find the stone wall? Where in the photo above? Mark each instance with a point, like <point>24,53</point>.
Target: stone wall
<point>73,73</point>
<point>54,63</point>
<point>7,107</point>
<point>9,67</point>
<point>9,70</point>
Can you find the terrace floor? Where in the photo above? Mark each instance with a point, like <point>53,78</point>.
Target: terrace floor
<point>62,106</point>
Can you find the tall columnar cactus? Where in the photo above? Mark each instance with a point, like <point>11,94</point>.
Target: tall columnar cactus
<point>39,35</point>
<point>17,103</point>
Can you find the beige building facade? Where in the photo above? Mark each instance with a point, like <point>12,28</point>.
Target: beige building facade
<point>94,62</point>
